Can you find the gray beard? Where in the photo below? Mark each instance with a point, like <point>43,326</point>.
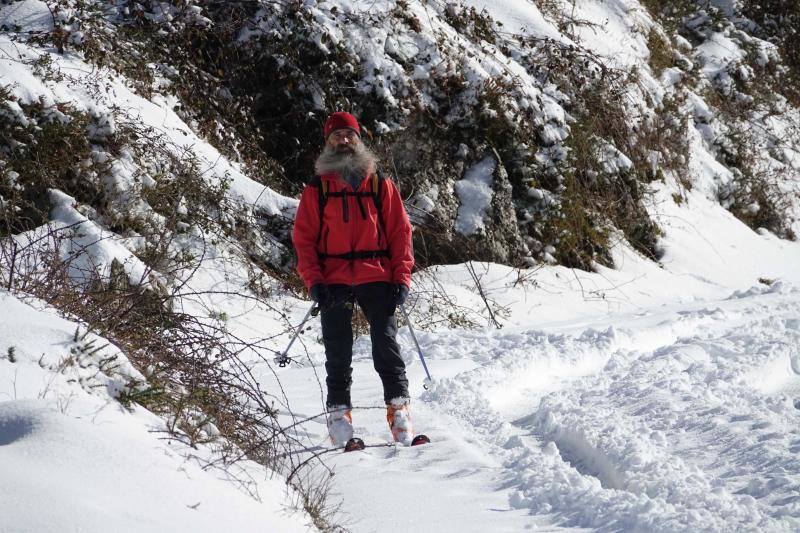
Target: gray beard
<point>352,167</point>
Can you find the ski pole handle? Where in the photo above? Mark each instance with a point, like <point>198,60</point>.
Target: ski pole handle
<point>419,350</point>
<point>284,359</point>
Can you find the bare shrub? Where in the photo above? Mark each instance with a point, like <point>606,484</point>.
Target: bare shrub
<point>753,195</point>
<point>199,376</point>
<point>777,21</point>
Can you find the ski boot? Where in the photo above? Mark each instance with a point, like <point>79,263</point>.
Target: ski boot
<point>340,424</point>
<point>399,418</point>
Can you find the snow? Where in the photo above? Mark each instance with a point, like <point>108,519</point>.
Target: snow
<point>625,413</point>
<point>643,398</point>
<point>518,17</point>
<point>100,476</point>
<point>89,250</point>
<point>30,15</point>
<point>717,53</point>
<point>656,396</point>
<point>475,196</point>
<point>613,29</point>
<point>66,441</point>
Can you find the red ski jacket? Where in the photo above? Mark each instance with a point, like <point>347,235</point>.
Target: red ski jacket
<point>360,239</point>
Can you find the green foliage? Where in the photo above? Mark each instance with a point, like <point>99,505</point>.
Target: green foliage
<point>755,199</point>
<point>57,147</point>
<point>760,82</point>
<point>281,78</point>
<point>183,54</point>
<point>757,202</point>
<point>593,196</point>
<point>672,15</point>
<point>284,75</point>
<point>221,316</point>
<point>278,79</point>
<point>146,394</point>
<point>184,196</point>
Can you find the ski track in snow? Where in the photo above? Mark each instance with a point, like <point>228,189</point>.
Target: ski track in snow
<point>698,433</point>
<point>680,419</point>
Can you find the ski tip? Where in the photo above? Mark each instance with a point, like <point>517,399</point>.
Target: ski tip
<point>420,439</point>
<point>354,444</point>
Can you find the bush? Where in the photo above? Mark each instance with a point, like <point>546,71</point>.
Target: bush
<point>778,22</point>
<point>662,56</point>
<point>753,195</point>
<point>43,148</point>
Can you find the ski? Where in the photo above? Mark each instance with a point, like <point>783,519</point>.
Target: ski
<point>420,439</point>
<point>356,444</point>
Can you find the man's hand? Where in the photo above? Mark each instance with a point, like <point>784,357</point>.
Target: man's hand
<point>319,293</point>
<point>400,293</point>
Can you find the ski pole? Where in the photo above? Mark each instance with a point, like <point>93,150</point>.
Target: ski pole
<point>284,359</point>
<point>419,350</point>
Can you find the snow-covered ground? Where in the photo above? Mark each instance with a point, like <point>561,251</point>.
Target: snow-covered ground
<point>647,407</point>
<point>73,459</point>
<point>653,397</point>
<point>646,400</point>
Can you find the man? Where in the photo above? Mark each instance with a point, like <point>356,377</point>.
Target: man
<point>358,250</point>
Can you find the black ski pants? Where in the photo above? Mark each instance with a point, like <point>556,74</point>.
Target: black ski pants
<point>377,300</point>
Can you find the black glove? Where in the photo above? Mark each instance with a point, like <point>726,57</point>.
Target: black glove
<point>319,293</point>
<point>400,293</point>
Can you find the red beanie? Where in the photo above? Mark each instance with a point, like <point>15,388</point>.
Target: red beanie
<point>339,120</point>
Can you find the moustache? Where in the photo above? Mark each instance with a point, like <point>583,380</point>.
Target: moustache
<point>345,149</point>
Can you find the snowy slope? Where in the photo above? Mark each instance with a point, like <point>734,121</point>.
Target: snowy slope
<point>66,441</point>
<point>652,397</point>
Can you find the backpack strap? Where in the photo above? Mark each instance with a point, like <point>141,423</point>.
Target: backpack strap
<point>358,254</point>
<point>322,196</point>
<point>377,188</point>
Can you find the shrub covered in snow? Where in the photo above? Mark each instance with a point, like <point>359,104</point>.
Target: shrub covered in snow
<point>439,87</point>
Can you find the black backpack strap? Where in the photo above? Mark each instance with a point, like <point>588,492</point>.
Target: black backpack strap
<point>358,255</point>
<point>377,188</point>
<point>322,195</point>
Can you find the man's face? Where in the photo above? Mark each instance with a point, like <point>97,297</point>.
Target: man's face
<point>343,141</point>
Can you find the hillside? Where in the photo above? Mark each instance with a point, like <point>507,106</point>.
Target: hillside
<point>605,197</point>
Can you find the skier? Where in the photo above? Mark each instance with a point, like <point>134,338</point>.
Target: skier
<point>353,241</point>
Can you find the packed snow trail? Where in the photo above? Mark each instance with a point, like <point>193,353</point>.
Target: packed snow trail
<point>675,419</point>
